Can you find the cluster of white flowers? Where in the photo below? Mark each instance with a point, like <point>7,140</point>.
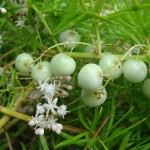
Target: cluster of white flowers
<point>47,113</point>
<point>21,13</point>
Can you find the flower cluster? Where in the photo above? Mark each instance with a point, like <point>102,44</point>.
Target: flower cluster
<point>48,112</point>
<point>21,13</point>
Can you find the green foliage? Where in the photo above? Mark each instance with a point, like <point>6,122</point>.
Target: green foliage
<point>122,122</point>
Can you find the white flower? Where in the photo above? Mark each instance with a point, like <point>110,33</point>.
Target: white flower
<point>3,10</point>
<point>39,109</point>
<point>51,106</point>
<point>20,22</point>
<point>39,120</point>
<point>58,131</point>
<point>51,120</point>
<point>64,93</point>
<point>45,113</point>
<point>47,89</point>
<point>57,127</point>
<point>39,131</point>
<point>42,85</point>
<point>31,123</point>
<point>62,110</point>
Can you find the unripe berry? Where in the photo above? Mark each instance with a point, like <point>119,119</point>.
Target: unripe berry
<point>93,99</point>
<point>69,36</point>
<point>41,71</point>
<point>134,70</point>
<point>24,63</point>
<point>111,66</point>
<point>62,65</point>
<point>90,77</point>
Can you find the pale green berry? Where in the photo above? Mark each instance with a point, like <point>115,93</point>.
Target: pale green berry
<point>111,66</point>
<point>93,99</point>
<point>134,70</point>
<point>62,65</point>
<point>41,71</point>
<point>90,77</point>
<point>24,63</point>
<point>89,49</point>
<point>69,36</point>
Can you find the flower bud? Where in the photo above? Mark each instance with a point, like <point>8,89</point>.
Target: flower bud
<point>58,131</point>
<point>54,127</point>
<point>31,123</point>
<point>39,131</point>
<point>59,126</point>
<point>69,87</point>
<point>3,10</point>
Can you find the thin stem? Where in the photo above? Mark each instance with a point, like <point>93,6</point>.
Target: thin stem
<point>46,25</point>
<point>79,55</point>
<point>14,88</point>
<point>7,66</point>
<point>26,118</point>
<point>83,5</point>
<point>13,50</point>
<point>128,52</point>
<point>9,141</point>
<point>6,118</point>
<point>98,38</point>
<point>103,144</point>
<point>138,14</point>
<point>9,125</point>
<point>104,122</point>
<point>82,43</point>
<point>92,55</point>
<point>15,114</point>
<point>119,13</point>
<point>134,8</point>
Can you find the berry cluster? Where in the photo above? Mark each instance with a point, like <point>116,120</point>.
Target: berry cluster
<point>54,81</point>
<point>90,77</point>
<point>54,77</point>
<point>60,65</point>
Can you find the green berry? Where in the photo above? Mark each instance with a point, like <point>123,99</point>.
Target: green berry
<point>93,99</point>
<point>62,65</point>
<point>90,77</point>
<point>111,66</point>
<point>24,63</point>
<point>69,36</point>
<point>41,71</point>
<point>134,70</point>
